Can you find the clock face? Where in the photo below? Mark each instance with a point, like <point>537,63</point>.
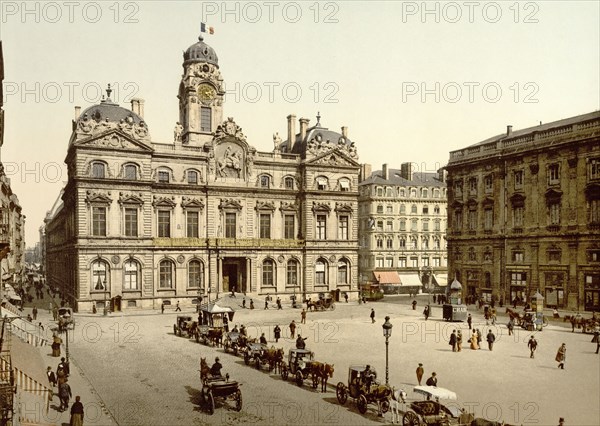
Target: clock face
<point>206,92</point>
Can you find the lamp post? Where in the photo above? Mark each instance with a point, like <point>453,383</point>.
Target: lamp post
<point>105,308</point>
<point>387,333</point>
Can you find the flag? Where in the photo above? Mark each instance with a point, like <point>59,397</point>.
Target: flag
<point>205,29</point>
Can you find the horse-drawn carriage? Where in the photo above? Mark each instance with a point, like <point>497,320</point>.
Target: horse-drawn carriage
<point>432,412</point>
<point>65,319</point>
<point>323,303</point>
<point>218,388</point>
<point>260,354</point>
<point>529,320</point>
<point>587,325</point>
<point>213,323</point>
<point>301,366</point>
<point>364,388</point>
<point>236,342</point>
<point>185,325</point>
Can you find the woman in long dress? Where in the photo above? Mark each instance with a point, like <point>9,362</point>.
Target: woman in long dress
<point>473,340</point>
<point>56,346</point>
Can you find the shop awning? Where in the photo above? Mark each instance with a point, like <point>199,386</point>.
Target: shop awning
<point>387,277</point>
<point>412,280</point>
<point>441,280</point>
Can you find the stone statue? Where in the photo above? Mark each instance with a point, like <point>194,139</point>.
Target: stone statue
<point>177,132</point>
<point>276,141</point>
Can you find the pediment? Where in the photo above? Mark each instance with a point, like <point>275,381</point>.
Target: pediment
<point>343,207</point>
<point>553,194</point>
<point>98,197</point>
<point>125,198</point>
<point>265,205</point>
<point>229,203</point>
<point>288,206</point>
<point>334,158</point>
<point>321,207</point>
<point>113,139</point>
<point>517,200</point>
<point>165,202</point>
<point>191,203</point>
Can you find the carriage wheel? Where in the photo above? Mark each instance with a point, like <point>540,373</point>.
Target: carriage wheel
<point>411,419</point>
<point>385,406</point>
<point>246,359</point>
<point>341,393</point>
<point>362,404</point>
<point>315,381</point>
<point>238,400</point>
<point>299,378</point>
<point>235,350</point>
<point>333,306</point>
<point>284,373</point>
<point>211,403</point>
<point>258,363</point>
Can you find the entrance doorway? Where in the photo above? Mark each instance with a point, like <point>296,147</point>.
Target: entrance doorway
<point>234,275</point>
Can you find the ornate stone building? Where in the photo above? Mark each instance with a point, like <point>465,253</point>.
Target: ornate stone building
<point>12,220</point>
<point>141,222</point>
<point>402,227</point>
<point>524,214</point>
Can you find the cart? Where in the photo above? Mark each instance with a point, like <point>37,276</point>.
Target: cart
<point>220,389</point>
<point>185,325</point>
<point>432,412</point>
<point>364,388</point>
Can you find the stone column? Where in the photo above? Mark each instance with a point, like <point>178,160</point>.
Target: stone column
<point>219,275</point>
<point>248,275</point>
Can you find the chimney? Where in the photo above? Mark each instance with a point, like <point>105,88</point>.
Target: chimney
<point>365,172</point>
<point>384,172</point>
<point>291,132</point>
<point>406,171</point>
<point>77,112</point>
<point>137,106</point>
<point>442,175</point>
<point>345,132</point>
<point>508,130</point>
<point>303,127</point>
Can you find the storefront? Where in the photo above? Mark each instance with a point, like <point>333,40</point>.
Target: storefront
<point>518,287</point>
<point>592,292</point>
<point>554,289</point>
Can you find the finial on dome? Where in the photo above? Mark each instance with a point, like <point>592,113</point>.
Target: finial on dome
<point>318,119</point>
<point>108,92</point>
<point>200,37</point>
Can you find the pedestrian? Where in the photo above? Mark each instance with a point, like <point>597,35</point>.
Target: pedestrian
<point>63,365</point>
<point>293,329</point>
<point>244,303</point>
<point>34,312</point>
<point>303,316</point>
<point>64,393</point>
<point>162,308</point>
<point>426,312</point>
<point>414,305</point>
<point>490,339</point>
<point>364,299</point>
<point>372,315</point>
<point>561,356</point>
<point>77,412</point>
<point>50,308</point>
<point>251,304</point>
<point>420,372</point>
<point>510,326</point>
<point>459,341</point>
<point>473,340</point>
<point>51,376</point>
<point>300,342</point>
<point>597,345</point>
<point>493,316</point>
<point>41,326</point>
<point>479,339</point>
<point>177,308</point>
<point>434,298</point>
<point>267,302</point>
<point>279,307</point>
<point>452,341</point>
<point>243,330</point>
<point>532,345</point>
<point>561,421</point>
<point>346,297</point>
<point>263,339</point>
<point>572,323</point>
<point>432,381</point>
<point>29,318</point>
<point>94,310</point>
<point>277,333</point>
<point>469,321</point>
<point>56,342</point>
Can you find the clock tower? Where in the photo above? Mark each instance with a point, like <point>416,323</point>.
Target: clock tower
<point>200,95</point>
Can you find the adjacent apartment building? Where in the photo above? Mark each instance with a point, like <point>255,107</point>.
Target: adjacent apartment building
<point>142,222</point>
<point>402,228</point>
<point>524,214</point>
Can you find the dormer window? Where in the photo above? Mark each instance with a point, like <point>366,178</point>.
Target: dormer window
<point>163,176</point>
<point>98,170</point>
<point>288,183</point>
<point>192,177</point>
<point>321,183</point>
<point>344,185</point>
<point>130,172</point>
<point>265,181</point>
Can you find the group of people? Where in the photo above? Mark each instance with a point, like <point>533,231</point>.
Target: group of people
<point>61,380</point>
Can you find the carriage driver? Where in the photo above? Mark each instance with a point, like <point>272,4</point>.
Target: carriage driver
<point>215,370</point>
<point>369,377</point>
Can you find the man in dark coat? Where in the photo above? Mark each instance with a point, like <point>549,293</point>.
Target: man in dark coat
<point>277,333</point>
<point>372,315</point>
<point>432,381</point>
<point>420,372</point>
<point>51,376</point>
<point>263,339</point>
<point>469,321</point>
<point>77,412</point>
<point>532,344</point>
<point>64,393</point>
<point>300,344</point>
<point>490,339</point>
<point>453,340</point>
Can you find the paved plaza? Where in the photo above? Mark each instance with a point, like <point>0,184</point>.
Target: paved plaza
<point>145,375</point>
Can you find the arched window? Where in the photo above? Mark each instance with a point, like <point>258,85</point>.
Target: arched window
<point>131,275</point>
<point>98,170</point>
<point>130,172</point>
<point>424,193</point>
<point>413,208</point>
<point>196,274</point>
<point>265,181</point>
<point>436,209</point>
<point>388,192</point>
<point>164,176</point>
<point>100,275</point>
<point>344,184</point>
<point>321,272</point>
<point>402,209</point>
<point>192,177</point>
<point>413,243</point>
<point>343,272</point>
<point>292,272</point>
<point>268,272</point>
<point>288,182</point>
<point>165,274</point>
<point>380,192</point>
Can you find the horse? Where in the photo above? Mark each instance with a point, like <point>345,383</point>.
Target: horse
<point>398,397</point>
<point>274,358</point>
<point>325,371</point>
<point>204,370</point>
<point>514,315</point>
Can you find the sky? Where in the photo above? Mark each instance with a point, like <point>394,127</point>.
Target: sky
<point>411,80</point>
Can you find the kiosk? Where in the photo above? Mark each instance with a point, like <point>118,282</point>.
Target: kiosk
<point>455,310</point>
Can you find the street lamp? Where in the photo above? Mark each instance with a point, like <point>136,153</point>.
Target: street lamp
<point>104,287</point>
<point>387,333</point>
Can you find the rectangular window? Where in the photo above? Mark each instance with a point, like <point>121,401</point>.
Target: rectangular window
<point>436,261</point>
<point>379,243</point>
<point>554,214</point>
<point>458,187</point>
<point>488,183</point>
<point>553,174</point>
<point>264,181</point>
<point>99,221</point>
<point>414,262</point>
<point>321,184</point>
<point>265,225</point>
<point>379,262</point>
<point>436,225</point>
<point>402,262</point>
<point>473,186</point>
<point>344,185</point>
<point>594,169</point>
<point>163,177</point>
<point>164,223</point>
<point>192,224</point>
<point>130,282</point>
<point>518,278</point>
<point>98,170</point>
<point>289,227</point>
<point>131,222</point>
<point>380,209</point>
<point>425,226</point>
<point>457,220</point>
<point>192,177</point>
<point>267,273</point>
<point>292,273</point>
<point>321,227</point>
<point>518,213</point>
<point>389,262</point>
<point>472,220</point>
<point>425,261</point>
<point>488,219</point>
<point>389,209</point>
<point>230,225</point>
<point>553,255</point>
<point>205,119</point>
<point>594,211</point>
<point>402,243</point>
<point>343,228</point>
<point>413,225</point>
<point>403,224</point>
<point>390,243</point>
<point>518,179</point>
<point>389,226</point>
<point>130,172</point>
<point>518,256</point>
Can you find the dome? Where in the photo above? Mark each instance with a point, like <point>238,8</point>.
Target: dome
<point>200,53</point>
<point>455,285</point>
<point>107,111</point>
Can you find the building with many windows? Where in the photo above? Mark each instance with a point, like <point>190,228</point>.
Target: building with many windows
<point>142,222</point>
<point>524,214</point>
<point>402,227</point>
